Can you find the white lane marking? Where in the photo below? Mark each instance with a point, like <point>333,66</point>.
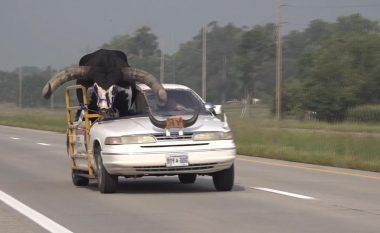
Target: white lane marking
<point>284,193</point>
<point>38,218</point>
<point>15,138</point>
<point>43,144</point>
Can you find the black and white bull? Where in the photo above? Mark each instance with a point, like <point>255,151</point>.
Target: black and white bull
<point>106,71</point>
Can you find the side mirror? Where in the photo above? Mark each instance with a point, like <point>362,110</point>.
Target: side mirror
<point>215,109</point>
<point>218,109</point>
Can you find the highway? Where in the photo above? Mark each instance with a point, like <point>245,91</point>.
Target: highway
<point>268,196</point>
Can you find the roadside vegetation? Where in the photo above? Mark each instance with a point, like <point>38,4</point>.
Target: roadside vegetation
<point>340,144</point>
<point>346,144</point>
<point>42,119</point>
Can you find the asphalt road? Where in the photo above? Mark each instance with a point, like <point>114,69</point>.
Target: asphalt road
<point>269,196</point>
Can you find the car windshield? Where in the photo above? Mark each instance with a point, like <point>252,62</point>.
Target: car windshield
<point>180,102</point>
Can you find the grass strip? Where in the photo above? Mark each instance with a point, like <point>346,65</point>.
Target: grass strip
<point>34,119</point>
<point>357,151</point>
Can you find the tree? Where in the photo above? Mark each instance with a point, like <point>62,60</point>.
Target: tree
<point>339,72</point>
<point>222,44</point>
<point>254,56</point>
<point>144,43</point>
<point>356,23</point>
<point>344,74</point>
<point>120,42</point>
<point>299,45</point>
<point>141,49</point>
<point>8,87</point>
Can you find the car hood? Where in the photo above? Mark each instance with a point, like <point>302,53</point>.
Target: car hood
<point>142,125</point>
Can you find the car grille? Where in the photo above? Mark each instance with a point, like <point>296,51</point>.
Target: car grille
<point>174,136</point>
<point>192,167</point>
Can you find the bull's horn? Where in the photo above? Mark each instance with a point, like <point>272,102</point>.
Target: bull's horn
<point>162,124</point>
<point>155,122</point>
<point>68,74</point>
<point>192,120</point>
<point>147,78</point>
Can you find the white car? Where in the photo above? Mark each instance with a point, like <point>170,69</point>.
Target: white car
<point>183,138</point>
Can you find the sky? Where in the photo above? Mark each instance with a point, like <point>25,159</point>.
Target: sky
<point>58,32</point>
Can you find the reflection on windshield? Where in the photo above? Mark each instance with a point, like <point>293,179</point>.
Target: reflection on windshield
<point>180,102</point>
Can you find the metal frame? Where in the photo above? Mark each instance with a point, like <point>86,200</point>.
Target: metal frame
<point>71,127</point>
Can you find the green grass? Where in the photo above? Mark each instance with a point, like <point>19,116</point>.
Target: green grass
<point>262,117</point>
<point>34,118</point>
<point>349,145</point>
<point>318,145</point>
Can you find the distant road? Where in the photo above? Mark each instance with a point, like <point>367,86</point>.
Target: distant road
<point>269,196</point>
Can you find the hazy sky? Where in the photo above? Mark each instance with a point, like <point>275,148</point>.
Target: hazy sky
<point>58,32</point>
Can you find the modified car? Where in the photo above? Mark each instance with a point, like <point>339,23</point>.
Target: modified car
<point>184,138</point>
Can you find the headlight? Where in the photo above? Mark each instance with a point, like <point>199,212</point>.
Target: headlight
<point>209,136</point>
<point>133,139</point>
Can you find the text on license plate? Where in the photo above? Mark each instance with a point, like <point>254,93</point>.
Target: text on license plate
<point>177,160</point>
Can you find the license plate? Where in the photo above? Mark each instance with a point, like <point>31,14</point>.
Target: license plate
<point>177,161</point>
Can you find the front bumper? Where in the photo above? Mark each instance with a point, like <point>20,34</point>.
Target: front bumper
<point>201,161</point>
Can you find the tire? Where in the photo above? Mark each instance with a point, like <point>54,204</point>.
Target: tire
<point>224,180</point>
<point>187,178</point>
<point>106,183</point>
<point>79,180</point>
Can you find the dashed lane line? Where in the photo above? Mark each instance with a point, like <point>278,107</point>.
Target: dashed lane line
<point>43,144</point>
<point>35,216</point>
<point>38,143</point>
<point>295,195</point>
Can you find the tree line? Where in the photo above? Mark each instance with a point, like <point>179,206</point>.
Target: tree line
<point>329,67</point>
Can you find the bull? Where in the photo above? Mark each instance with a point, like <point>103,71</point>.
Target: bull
<point>105,71</point>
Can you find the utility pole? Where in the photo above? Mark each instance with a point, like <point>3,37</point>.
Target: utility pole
<point>224,76</point>
<point>162,67</point>
<point>204,61</point>
<point>20,87</point>
<point>279,59</point>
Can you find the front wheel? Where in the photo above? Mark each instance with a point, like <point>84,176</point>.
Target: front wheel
<point>106,183</point>
<point>224,180</point>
